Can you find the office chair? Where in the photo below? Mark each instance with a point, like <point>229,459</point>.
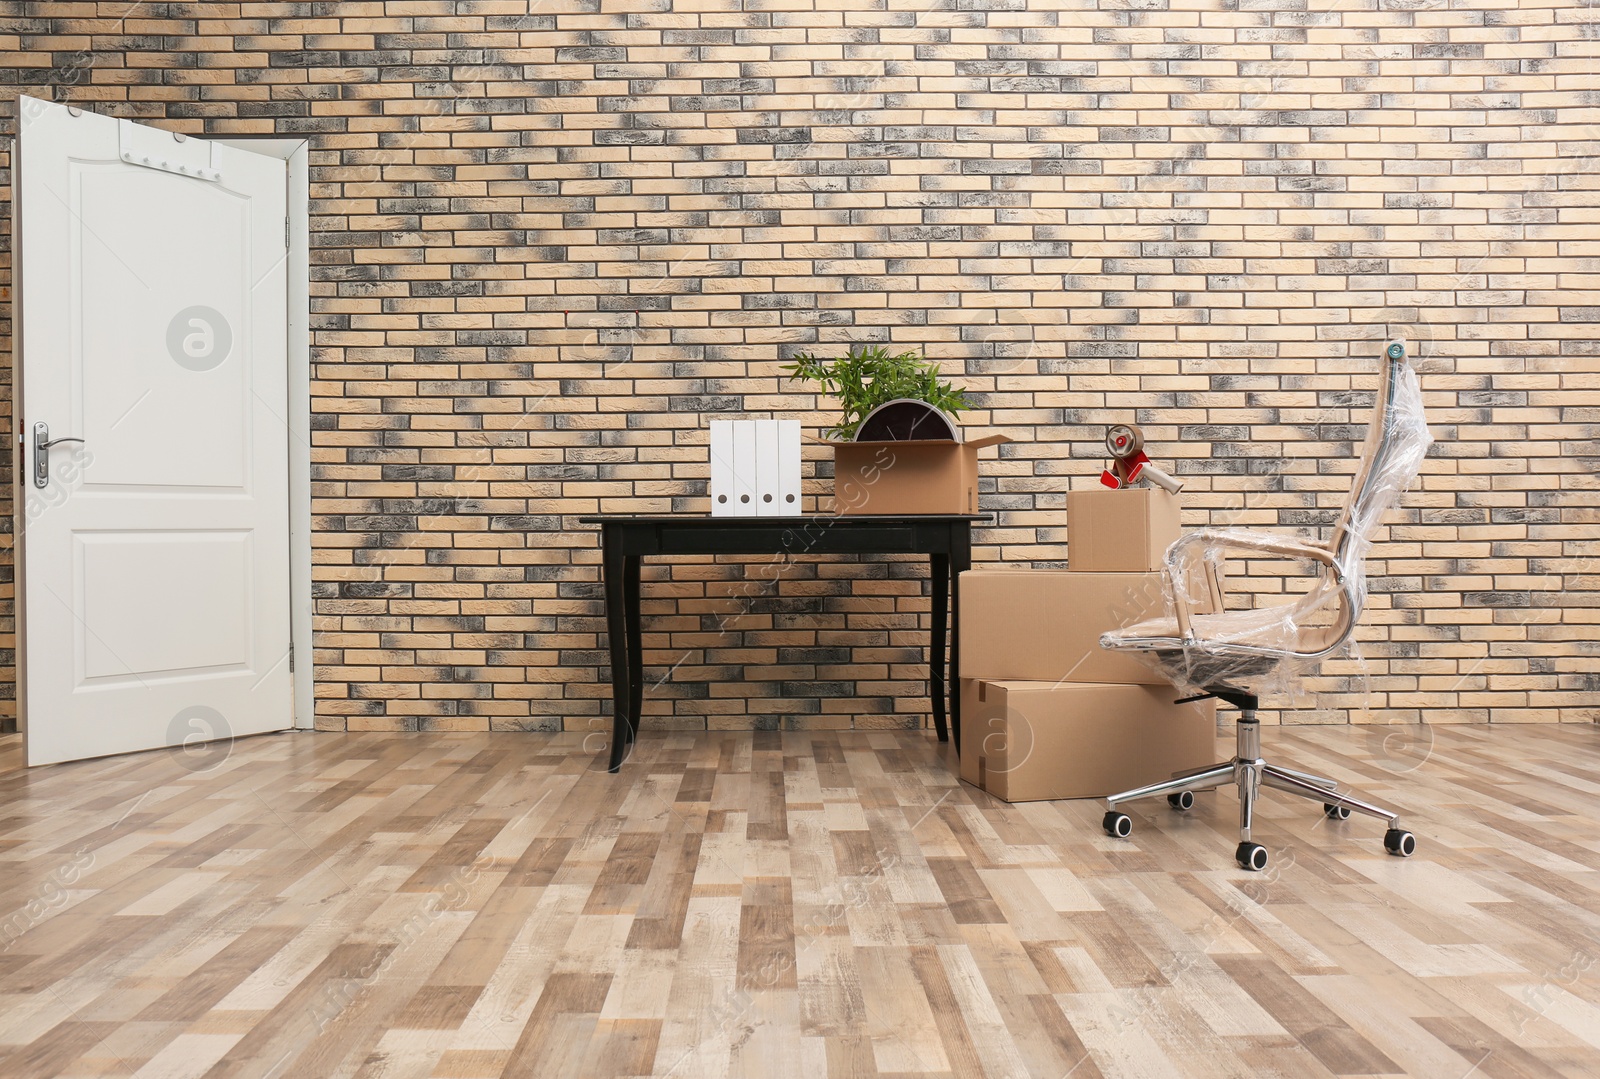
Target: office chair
<point>1235,656</point>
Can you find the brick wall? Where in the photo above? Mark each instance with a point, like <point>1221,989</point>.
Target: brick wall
<point>551,240</point>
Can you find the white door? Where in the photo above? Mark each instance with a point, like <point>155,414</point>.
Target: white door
<point>154,608</point>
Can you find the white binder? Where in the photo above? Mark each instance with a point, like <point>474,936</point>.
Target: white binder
<point>766,473</point>
<point>744,468</point>
<point>778,467</point>
<point>724,489</point>
<point>789,478</point>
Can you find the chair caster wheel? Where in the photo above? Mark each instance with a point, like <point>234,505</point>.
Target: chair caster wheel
<point>1182,800</point>
<point>1336,812</point>
<point>1117,825</point>
<point>1400,843</point>
<point>1251,856</point>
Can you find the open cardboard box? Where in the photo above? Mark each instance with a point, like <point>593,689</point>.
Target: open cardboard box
<point>907,477</point>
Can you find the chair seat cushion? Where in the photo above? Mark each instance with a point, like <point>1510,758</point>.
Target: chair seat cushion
<point>1238,650</point>
<point>1263,629</point>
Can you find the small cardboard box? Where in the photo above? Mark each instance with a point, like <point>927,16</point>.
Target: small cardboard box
<point>1036,741</point>
<point>911,477</point>
<point>1037,624</point>
<point>1126,531</point>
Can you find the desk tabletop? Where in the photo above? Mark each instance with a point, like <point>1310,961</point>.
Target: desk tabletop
<point>804,518</point>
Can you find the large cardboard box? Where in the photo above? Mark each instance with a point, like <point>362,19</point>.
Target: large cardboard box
<point>1124,531</point>
<point>911,477</point>
<point>1033,741</point>
<point>1045,625</point>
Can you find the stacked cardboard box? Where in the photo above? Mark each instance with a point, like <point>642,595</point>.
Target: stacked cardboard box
<point>1045,711</point>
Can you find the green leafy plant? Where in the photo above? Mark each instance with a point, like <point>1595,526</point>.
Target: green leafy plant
<point>868,375</point>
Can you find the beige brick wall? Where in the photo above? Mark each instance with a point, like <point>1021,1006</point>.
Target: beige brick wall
<point>551,240</point>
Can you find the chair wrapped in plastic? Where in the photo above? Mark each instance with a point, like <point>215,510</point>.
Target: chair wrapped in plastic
<point>1237,656</point>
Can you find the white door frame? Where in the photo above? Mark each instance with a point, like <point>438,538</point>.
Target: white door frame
<point>298,411</point>
<point>297,414</point>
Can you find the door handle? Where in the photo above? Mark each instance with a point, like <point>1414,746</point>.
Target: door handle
<point>41,453</point>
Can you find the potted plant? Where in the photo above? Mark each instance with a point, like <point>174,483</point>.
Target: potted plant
<point>910,459</point>
<point>867,376</point>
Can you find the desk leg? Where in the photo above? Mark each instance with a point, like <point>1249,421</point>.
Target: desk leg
<point>635,630</point>
<point>612,575</point>
<point>960,562</point>
<point>938,689</point>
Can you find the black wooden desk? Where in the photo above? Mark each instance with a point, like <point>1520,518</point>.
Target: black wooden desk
<point>625,540</point>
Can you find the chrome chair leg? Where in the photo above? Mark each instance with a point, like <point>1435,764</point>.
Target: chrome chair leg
<point>1187,772</point>
<point>1321,781</point>
<point>1249,854</point>
<point>1177,789</point>
<point>1216,774</point>
<point>1249,791</point>
<point>1284,780</point>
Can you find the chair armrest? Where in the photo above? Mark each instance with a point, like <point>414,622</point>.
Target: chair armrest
<point>1239,539</point>
<point>1196,544</point>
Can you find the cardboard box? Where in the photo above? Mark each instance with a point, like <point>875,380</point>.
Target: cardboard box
<point>1045,625</point>
<point>923,476</point>
<point>1126,531</point>
<point>1034,741</point>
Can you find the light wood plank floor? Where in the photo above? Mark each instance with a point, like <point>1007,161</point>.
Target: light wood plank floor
<point>803,904</point>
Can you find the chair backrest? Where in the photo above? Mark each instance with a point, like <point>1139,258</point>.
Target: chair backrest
<point>1397,441</point>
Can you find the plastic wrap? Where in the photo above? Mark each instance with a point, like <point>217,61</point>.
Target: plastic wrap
<point>1200,645</point>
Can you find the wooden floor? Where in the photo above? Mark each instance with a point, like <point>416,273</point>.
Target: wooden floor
<point>811,905</point>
